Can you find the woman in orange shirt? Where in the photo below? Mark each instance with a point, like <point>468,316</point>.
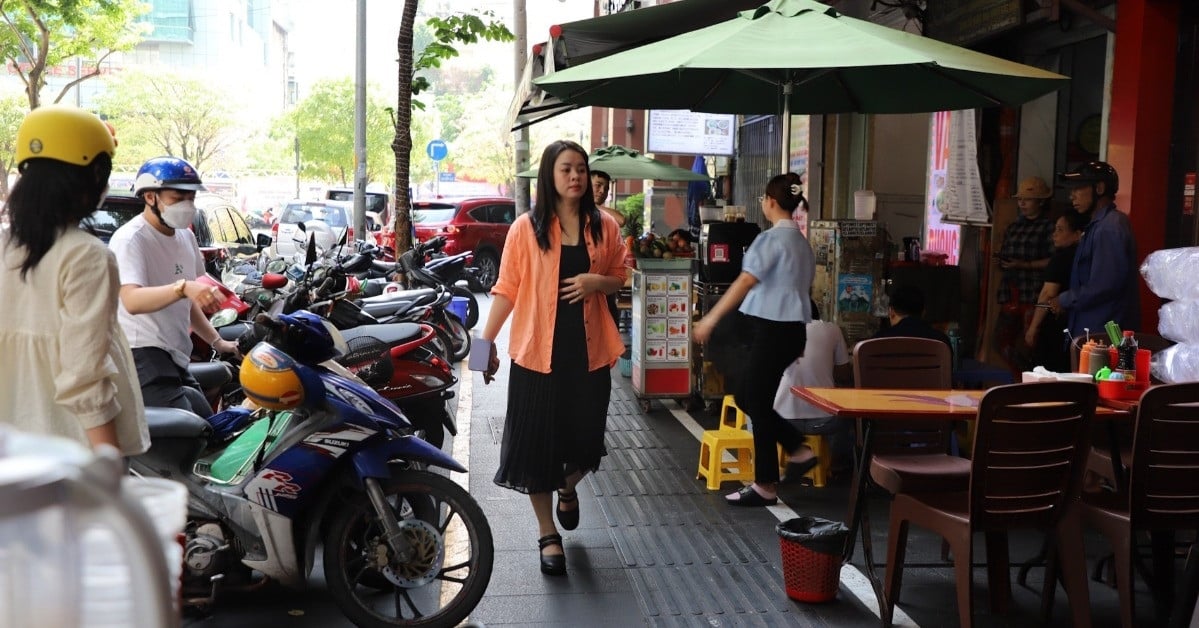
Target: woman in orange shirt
<point>560,261</point>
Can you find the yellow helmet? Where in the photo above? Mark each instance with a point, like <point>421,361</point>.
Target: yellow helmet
<point>63,133</point>
<point>270,379</point>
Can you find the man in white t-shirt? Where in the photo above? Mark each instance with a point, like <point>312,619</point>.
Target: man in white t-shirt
<point>161,302</point>
<point>825,363</point>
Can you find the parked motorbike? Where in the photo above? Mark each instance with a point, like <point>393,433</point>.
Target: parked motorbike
<point>325,461</point>
<point>423,266</point>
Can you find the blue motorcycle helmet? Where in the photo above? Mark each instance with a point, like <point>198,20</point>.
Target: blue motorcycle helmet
<point>310,339</point>
<point>167,173</point>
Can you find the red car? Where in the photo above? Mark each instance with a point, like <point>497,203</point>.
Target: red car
<point>476,225</point>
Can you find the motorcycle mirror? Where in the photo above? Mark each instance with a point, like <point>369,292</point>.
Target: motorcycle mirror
<point>223,317</point>
<point>310,256</point>
<point>262,241</point>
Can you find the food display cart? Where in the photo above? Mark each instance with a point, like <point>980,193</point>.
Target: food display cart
<point>661,329</point>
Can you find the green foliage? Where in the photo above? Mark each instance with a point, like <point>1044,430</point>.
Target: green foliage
<point>162,113</point>
<point>633,210</point>
<point>483,149</point>
<point>448,33</point>
<point>13,107</point>
<point>37,35</point>
<point>324,124</point>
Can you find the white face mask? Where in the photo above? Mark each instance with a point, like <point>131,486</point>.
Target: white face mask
<point>179,215</point>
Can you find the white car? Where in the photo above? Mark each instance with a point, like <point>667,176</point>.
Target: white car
<point>324,221</point>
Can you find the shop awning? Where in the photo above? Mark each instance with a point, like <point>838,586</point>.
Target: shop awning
<point>578,42</point>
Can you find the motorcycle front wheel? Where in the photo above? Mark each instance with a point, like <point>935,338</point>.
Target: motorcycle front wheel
<point>439,584</point>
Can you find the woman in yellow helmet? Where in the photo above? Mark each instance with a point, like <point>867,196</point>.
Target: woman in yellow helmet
<point>67,367</point>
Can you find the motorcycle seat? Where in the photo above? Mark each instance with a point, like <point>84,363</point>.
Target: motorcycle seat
<point>175,423</point>
<point>234,331</point>
<point>210,374</point>
<point>391,334</point>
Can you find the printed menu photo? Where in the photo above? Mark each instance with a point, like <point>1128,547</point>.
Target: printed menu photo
<point>655,350</point>
<point>677,306</point>
<point>676,284</point>
<point>655,306</point>
<point>677,350</point>
<point>677,327</point>
<point>655,329</point>
<point>655,284</point>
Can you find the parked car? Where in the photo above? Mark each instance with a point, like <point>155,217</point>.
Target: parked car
<point>478,225</point>
<point>218,225</point>
<point>323,220</point>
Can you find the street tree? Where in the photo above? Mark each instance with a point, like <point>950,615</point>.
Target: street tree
<point>157,112</point>
<point>38,37</point>
<point>448,32</point>
<point>323,122</point>
<point>13,107</point>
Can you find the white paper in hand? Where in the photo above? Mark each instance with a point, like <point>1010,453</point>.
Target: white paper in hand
<point>480,355</point>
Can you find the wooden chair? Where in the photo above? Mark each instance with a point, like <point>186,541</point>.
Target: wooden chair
<point>1026,472</point>
<point>1162,493</point>
<point>909,456</point>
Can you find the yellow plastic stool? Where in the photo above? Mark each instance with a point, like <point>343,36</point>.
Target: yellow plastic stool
<point>713,466</point>
<point>824,460</point>
<point>738,421</point>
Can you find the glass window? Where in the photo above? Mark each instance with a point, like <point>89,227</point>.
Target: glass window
<point>433,213</point>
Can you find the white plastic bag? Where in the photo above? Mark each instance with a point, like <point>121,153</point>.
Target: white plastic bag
<point>1177,364</point>
<point>1179,321</point>
<point>1170,273</point>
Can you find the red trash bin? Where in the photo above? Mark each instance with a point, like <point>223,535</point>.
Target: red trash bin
<point>811,549</point>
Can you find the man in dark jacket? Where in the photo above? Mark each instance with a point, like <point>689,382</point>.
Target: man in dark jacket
<point>907,305</point>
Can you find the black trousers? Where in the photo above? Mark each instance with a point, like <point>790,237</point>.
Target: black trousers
<point>165,385</point>
<point>774,346</point>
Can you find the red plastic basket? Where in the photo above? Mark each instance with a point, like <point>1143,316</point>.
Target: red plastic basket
<point>809,576</point>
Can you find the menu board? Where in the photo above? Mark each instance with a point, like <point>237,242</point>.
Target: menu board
<point>690,133</point>
<point>667,318</point>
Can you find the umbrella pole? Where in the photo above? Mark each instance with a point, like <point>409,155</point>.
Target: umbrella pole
<point>785,152</point>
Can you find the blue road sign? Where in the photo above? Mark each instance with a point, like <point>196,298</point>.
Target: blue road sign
<point>446,177</point>
<point>437,150</point>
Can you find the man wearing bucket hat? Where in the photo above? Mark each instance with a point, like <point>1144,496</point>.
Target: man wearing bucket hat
<point>1023,256</point>
<point>1103,282</point>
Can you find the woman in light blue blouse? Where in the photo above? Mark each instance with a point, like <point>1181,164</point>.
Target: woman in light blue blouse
<point>772,292</point>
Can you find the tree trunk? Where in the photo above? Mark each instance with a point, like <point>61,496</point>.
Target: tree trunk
<point>402,144</point>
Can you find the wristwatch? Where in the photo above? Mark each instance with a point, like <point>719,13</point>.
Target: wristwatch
<point>179,288</point>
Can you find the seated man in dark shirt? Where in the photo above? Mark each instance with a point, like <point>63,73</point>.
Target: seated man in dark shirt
<point>907,304</point>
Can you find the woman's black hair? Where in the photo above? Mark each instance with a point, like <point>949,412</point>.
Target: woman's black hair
<point>50,196</point>
<point>786,190</point>
<point>547,196</point>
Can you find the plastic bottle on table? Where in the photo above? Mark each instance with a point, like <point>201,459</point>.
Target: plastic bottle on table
<point>1127,352</point>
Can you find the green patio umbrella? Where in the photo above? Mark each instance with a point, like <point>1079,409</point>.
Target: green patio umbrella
<point>625,163</point>
<point>799,56</point>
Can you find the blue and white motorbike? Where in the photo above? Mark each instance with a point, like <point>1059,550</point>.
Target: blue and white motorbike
<point>326,461</point>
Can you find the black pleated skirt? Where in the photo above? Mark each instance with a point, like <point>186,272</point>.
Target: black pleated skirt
<point>555,421</point>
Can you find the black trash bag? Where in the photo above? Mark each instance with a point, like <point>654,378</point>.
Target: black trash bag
<point>819,535</point>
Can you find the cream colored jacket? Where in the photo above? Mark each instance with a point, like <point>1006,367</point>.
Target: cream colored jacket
<point>65,365</point>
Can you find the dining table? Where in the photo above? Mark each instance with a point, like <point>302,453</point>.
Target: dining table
<point>874,405</point>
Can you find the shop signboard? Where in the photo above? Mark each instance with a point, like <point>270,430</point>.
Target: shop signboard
<point>798,163</point>
<point>690,133</point>
<point>962,22</point>
<point>939,236</point>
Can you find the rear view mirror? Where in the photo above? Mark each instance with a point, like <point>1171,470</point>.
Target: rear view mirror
<point>310,256</point>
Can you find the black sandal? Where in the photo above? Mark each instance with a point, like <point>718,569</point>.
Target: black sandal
<point>568,519</point>
<point>748,497</point>
<point>796,471</point>
<point>554,564</point>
